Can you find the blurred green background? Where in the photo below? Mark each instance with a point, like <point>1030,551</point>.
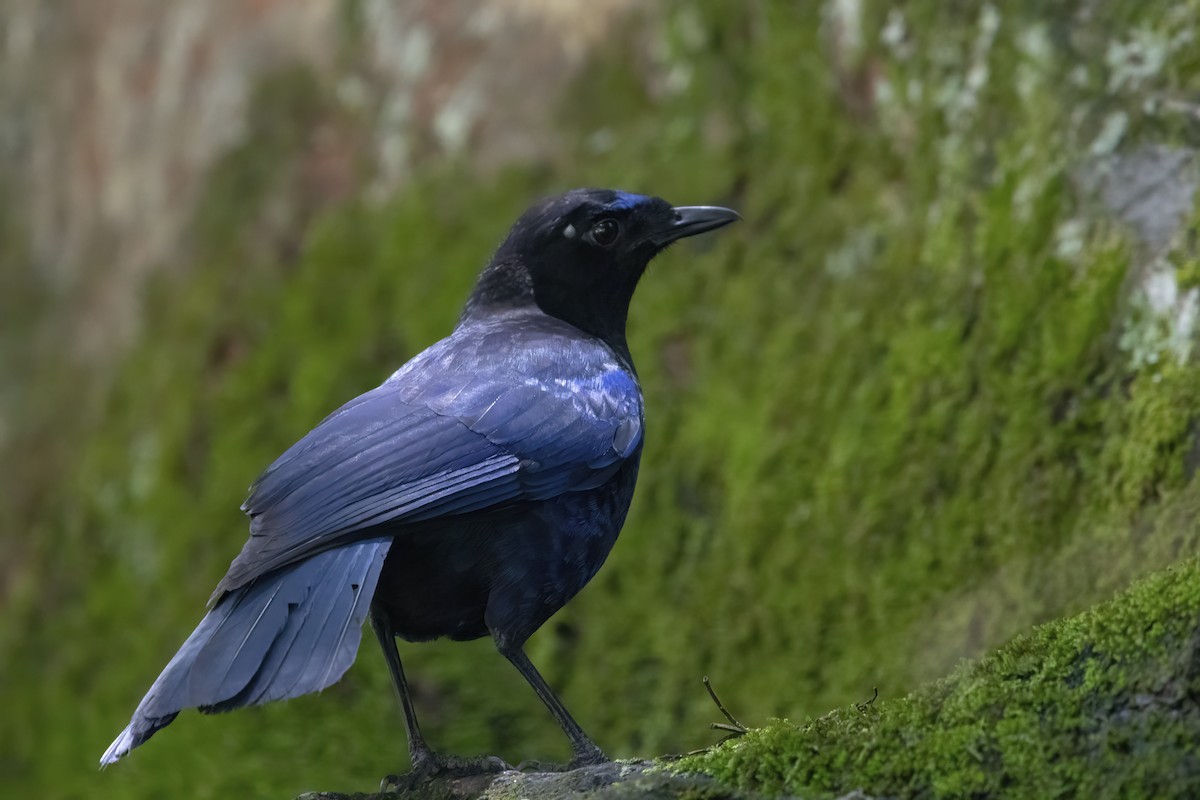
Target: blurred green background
<point>938,387</point>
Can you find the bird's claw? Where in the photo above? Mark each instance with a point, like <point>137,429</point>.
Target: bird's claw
<point>431,765</point>
<point>589,758</point>
<point>479,765</point>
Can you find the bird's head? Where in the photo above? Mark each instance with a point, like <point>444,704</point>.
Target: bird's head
<point>578,256</point>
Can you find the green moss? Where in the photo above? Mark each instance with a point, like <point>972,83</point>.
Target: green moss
<point>1099,705</point>
<point>890,419</point>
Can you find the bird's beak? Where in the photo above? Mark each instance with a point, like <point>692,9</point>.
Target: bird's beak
<point>691,220</point>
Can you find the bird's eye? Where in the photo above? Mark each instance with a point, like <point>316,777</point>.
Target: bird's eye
<point>605,232</point>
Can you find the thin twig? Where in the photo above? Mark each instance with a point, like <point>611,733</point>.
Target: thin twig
<point>734,728</point>
<point>862,707</point>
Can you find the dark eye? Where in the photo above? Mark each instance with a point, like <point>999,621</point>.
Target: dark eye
<point>605,232</point>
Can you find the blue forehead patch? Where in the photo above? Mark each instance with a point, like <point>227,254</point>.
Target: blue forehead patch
<point>627,200</point>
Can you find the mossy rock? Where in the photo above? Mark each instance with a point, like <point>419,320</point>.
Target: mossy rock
<point>1104,704</point>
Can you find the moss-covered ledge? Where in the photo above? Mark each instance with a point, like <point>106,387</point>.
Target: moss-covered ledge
<point>1104,704</point>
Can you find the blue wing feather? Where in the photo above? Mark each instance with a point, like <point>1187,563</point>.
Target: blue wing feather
<point>495,414</point>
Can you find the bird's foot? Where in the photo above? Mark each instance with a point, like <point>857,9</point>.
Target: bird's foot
<point>585,757</point>
<point>456,765</point>
<point>428,765</point>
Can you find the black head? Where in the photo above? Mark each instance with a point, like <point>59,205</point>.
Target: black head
<point>578,256</point>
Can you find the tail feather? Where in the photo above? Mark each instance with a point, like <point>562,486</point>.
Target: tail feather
<point>314,649</point>
<point>235,648</point>
<point>286,634</point>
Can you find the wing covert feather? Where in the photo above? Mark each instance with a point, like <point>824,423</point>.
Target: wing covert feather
<point>448,434</point>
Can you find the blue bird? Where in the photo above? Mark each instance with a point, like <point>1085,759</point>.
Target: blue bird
<point>472,494</point>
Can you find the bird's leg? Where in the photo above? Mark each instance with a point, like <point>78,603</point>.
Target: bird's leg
<point>425,762</point>
<point>418,752</point>
<point>584,751</point>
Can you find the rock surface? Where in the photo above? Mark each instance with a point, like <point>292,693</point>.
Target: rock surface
<point>619,779</point>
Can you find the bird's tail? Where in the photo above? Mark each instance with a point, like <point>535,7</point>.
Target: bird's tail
<point>288,633</point>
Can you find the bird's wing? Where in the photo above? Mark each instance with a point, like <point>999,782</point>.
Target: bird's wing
<point>433,445</point>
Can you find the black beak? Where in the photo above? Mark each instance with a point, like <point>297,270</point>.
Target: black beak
<point>691,220</point>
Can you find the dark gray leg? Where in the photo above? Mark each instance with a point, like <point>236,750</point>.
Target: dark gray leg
<point>584,750</point>
<point>418,752</point>
<point>425,762</point>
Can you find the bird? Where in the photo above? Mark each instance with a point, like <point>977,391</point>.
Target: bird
<point>473,493</point>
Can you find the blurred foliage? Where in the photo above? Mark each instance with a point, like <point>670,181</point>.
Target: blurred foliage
<point>890,419</point>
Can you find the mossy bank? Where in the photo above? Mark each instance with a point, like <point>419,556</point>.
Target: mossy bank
<point>1105,704</point>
